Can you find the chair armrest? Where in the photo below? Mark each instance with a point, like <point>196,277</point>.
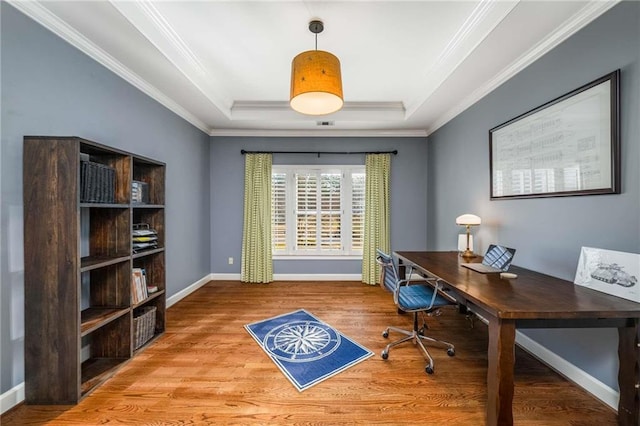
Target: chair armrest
<point>429,281</point>
<point>436,283</point>
<point>444,292</point>
<point>421,280</point>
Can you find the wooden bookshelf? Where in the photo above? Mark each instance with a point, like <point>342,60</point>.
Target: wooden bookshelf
<point>79,314</point>
<point>94,318</point>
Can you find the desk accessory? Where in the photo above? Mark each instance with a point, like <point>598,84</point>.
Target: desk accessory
<point>496,259</point>
<point>468,220</point>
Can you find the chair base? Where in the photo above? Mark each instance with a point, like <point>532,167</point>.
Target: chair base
<point>418,339</point>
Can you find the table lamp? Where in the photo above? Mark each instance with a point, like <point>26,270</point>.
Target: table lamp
<point>468,220</point>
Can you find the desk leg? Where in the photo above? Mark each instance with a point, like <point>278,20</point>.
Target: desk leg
<point>402,270</point>
<point>629,374</point>
<point>502,336</point>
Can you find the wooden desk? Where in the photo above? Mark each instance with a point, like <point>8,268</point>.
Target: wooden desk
<point>535,300</point>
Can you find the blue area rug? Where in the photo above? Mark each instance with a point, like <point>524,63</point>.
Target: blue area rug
<point>306,349</point>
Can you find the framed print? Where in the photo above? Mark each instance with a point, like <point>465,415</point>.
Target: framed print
<point>611,272</point>
<point>568,146</point>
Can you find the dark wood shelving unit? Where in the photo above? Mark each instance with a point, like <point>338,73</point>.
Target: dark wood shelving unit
<point>95,371</point>
<point>147,206</point>
<point>159,293</point>
<point>148,252</point>
<point>79,315</point>
<point>94,262</point>
<point>104,206</point>
<point>93,318</point>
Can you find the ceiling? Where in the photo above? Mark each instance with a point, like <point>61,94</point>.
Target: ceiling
<point>408,67</point>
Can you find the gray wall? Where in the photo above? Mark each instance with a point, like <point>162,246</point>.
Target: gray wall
<point>548,232</point>
<point>50,88</point>
<point>408,186</point>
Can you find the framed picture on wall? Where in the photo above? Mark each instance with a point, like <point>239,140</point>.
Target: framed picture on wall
<point>568,146</point>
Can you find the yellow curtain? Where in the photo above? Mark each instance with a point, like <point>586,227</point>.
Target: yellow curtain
<point>376,214</point>
<point>257,263</point>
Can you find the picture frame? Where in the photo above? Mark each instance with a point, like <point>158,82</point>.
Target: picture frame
<point>611,272</point>
<point>568,146</point>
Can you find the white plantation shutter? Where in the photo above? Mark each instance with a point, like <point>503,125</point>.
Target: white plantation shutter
<point>306,210</point>
<point>317,211</point>
<point>357,210</point>
<point>278,212</point>
<point>330,211</point>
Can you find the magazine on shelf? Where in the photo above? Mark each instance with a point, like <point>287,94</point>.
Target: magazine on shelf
<point>143,237</point>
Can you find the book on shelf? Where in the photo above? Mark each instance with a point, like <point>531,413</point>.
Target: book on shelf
<point>138,285</point>
<point>139,192</point>
<point>152,289</point>
<point>97,182</point>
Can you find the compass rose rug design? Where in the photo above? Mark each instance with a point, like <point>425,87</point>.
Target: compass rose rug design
<point>306,349</point>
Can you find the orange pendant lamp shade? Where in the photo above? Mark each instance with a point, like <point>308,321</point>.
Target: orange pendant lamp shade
<point>316,83</point>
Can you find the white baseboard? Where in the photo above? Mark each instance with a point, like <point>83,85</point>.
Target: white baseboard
<point>604,393</point>
<point>225,277</point>
<point>576,375</point>
<point>187,291</point>
<point>295,277</point>
<point>11,398</point>
<point>15,395</point>
<point>317,277</point>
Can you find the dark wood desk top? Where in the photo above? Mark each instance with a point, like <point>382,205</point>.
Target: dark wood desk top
<point>531,296</point>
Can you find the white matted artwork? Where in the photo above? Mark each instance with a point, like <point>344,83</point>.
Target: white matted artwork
<point>612,272</point>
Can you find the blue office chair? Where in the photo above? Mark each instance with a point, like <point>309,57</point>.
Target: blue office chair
<point>411,295</point>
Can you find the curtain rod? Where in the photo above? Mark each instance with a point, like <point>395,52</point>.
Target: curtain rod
<point>394,152</point>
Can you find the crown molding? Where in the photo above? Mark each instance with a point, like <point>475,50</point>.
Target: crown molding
<point>44,17</point>
<point>482,20</point>
<point>348,106</point>
<point>351,111</point>
<point>149,21</point>
<point>578,21</point>
<point>318,133</point>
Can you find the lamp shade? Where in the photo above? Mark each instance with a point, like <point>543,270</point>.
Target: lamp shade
<point>316,83</point>
<point>468,219</point>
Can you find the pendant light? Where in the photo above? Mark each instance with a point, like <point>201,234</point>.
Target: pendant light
<point>316,82</point>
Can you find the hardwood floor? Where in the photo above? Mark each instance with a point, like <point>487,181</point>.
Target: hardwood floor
<point>206,369</point>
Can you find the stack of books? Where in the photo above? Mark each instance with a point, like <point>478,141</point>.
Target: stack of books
<point>144,238</point>
<point>97,182</point>
<point>140,290</point>
<point>139,192</point>
<point>138,285</point>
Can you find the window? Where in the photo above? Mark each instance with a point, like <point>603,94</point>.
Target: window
<point>317,210</point>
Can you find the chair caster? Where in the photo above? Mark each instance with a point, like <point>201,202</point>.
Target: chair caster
<point>384,354</point>
<point>385,334</point>
<point>429,369</point>
<point>451,352</point>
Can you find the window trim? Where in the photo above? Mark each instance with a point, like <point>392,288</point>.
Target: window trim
<point>346,215</point>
